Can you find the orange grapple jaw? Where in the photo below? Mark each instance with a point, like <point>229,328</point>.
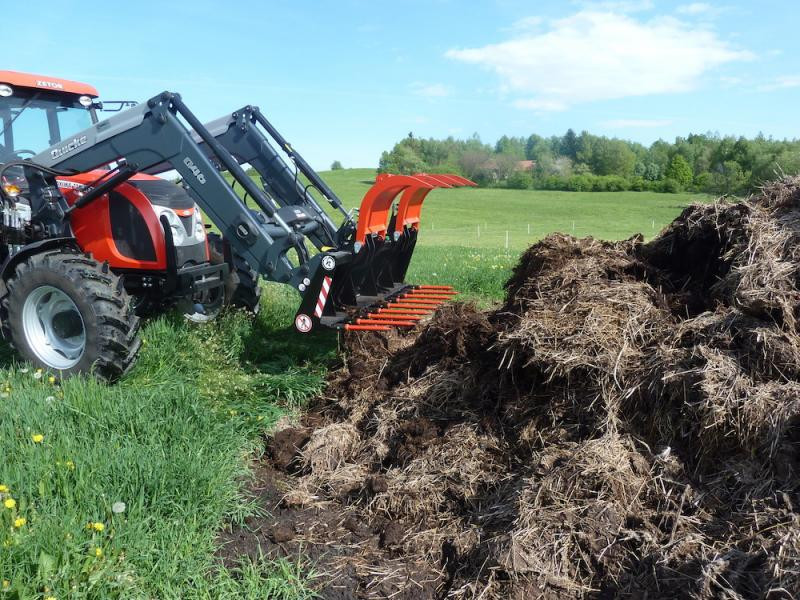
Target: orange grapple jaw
<point>385,237</point>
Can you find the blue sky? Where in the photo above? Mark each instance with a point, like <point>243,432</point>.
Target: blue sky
<point>345,79</point>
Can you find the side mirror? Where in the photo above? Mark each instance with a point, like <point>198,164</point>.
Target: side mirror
<point>114,105</point>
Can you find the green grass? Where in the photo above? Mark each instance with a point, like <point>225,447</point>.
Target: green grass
<point>173,440</point>
<point>453,217</point>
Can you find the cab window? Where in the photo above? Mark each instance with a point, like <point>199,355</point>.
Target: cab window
<point>36,122</point>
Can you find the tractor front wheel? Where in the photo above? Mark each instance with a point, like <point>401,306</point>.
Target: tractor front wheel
<point>66,312</point>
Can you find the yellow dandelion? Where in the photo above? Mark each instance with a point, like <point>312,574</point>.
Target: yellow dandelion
<point>50,598</point>
<point>51,379</point>
<point>98,552</point>
<point>9,503</point>
<point>6,584</point>
<point>37,438</point>
<point>3,488</point>
<point>70,465</point>
<point>98,526</point>
<point>20,522</point>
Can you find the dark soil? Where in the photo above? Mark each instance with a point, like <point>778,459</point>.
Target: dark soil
<point>329,538</point>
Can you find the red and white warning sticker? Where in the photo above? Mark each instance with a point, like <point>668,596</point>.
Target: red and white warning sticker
<point>323,296</point>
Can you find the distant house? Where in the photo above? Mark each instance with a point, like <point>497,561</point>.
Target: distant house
<point>525,165</point>
<point>492,168</point>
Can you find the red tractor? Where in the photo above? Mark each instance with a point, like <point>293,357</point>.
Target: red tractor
<point>122,238</point>
<point>91,238</point>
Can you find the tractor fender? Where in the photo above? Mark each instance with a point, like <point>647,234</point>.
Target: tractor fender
<point>10,263</point>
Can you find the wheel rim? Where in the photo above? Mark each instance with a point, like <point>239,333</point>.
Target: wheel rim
<point>53,327</point>
<point>203,307</point>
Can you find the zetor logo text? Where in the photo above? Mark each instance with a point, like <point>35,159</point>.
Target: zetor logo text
<point>66,149</point>
<point>53,85</point>
<point>195,170</point>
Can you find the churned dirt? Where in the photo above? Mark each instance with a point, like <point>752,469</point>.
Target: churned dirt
<point>626,424</point>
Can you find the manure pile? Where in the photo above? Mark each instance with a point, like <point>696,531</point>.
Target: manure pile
<point>627,424</point>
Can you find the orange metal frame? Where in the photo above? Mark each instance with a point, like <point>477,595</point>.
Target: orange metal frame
<point>376,206</point>
<point>405,311</point>
<point>409,308</point>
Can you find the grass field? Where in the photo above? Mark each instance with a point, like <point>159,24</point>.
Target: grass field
<point>464,230</point>
<point>453,217</point>
<point>172,441</point>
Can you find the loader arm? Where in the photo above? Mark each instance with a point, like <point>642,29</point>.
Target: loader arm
<point>249,137</point>
<point>154,133</point>
<point>242,133</point>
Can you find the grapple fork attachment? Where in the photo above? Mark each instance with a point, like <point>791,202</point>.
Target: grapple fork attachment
<point>365,290</point>
<point>391,238</point>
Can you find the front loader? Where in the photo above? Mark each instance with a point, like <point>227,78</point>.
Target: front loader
<point>372,256</point>
<point>85,198</point>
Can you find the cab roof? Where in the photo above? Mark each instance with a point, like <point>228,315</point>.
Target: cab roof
<point>43,82</point>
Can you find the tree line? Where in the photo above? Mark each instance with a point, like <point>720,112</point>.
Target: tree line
<point>585,162</point>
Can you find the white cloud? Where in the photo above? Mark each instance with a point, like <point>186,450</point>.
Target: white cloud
<point>593,56</point>
<point>635,123</point>
<point>430,90</point>
<point>784,82</point>
<point>527,23</point>
<point>695,8</point>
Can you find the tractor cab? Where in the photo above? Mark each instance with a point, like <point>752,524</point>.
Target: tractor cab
<point>124,228</point>
<point>38,112</point>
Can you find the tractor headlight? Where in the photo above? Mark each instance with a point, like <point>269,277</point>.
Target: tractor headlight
<point>199,227</point>
<point>11,190</point>
<point>85,101</point>
<point>175,225</point>
<point>178,234</point>
<point>5,90</point>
